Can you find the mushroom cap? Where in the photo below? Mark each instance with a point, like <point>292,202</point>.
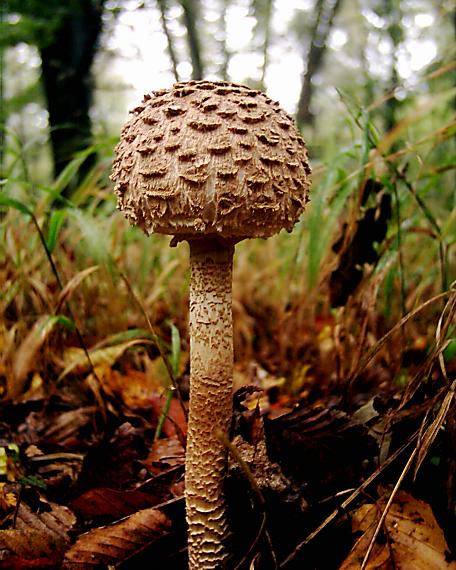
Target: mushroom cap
<point>211,158</point>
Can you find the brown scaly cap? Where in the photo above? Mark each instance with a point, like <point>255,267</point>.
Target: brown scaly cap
<point>211,158</point>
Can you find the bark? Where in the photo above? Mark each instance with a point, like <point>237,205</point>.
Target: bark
<point>225,52</point>
<point>394,30</point>
<point>191,9</point>
<point>66,64</point>
<point>263,13</point>
<point>162,5</point>
<point>211,363</point>
<point>326,11</point>
<point>368,82</point>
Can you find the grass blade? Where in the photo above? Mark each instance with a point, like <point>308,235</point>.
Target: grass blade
<point>175,350</point>
<point>55,224</point>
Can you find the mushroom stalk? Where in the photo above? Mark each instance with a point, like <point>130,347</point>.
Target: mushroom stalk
<point>211,380</point>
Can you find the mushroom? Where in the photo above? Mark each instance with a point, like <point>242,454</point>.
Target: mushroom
<point>211,163</point>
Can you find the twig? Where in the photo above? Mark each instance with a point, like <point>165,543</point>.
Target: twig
<point>387,506</point>
<point>442,330</point>
<point>398,326</point>
<point>348,501</point>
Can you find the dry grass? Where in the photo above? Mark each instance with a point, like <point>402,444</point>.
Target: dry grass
<point>283,317</point>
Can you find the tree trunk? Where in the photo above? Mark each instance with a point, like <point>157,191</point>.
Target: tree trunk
<point>263,12</point>
<point>225,52</point>
<point>326,11</point>
<point>162,5</point>
<point>394,29</point>
<point>66,63</point>
<point>191,11</point>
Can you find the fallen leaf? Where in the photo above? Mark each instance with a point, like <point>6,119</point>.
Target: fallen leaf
<point>8,500</point>
<point>75,359</point>
<point>104,502</point>
<point>38,535</point>
<point>57,469</point>
<point>176,422</point>
<point>135,388</point>
<point>116,542</point>
<point>156,369</point>
<point>413,537</point>
<point>53,518</point>
<point>31,544</point>
<point>114,463</point>
<point>165,455</point>
<point>9,467</point>
<point>65,427</point>
<point>24,358</point>
<point>36,390</point>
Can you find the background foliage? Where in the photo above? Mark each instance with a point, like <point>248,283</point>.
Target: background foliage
<point>373,86</point>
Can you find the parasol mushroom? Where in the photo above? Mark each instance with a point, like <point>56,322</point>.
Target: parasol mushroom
<point>211,163</point>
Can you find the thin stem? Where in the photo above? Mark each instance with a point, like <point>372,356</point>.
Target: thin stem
<point>68,307</point>
<point>162,5</point>
<point>156,338</point>
<point>399,249</point>
<point>165,412</point>
<point>387,507</point>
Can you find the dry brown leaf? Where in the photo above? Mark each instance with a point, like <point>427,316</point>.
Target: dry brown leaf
<point>413,537</point>
<point>165,455</point>
<point>116,542</point>
<point>36,391</point>
<point>65,427</point>
<point>52,518</point>
<point>58,468</point>
<point>39,535</point>
<point>31,544</point>
<point>138,390</point>
<point>176,422</point>
<point>8,499</point>
<point>105,502</point>
<point>135,388</point>
<point>24,358</point>
<point>7,344</point>
<point>75,359</point>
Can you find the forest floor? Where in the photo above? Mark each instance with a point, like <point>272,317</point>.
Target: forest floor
<point>92,464</point>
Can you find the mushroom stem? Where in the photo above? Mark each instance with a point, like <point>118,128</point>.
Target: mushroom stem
<point>211,380</point>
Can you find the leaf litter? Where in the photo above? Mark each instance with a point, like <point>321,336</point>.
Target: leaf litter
<point>320,430</point>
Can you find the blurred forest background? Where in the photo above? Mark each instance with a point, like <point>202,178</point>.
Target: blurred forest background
<point>357,304</point>
<point>70,70</point>
<point>372,87</point>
